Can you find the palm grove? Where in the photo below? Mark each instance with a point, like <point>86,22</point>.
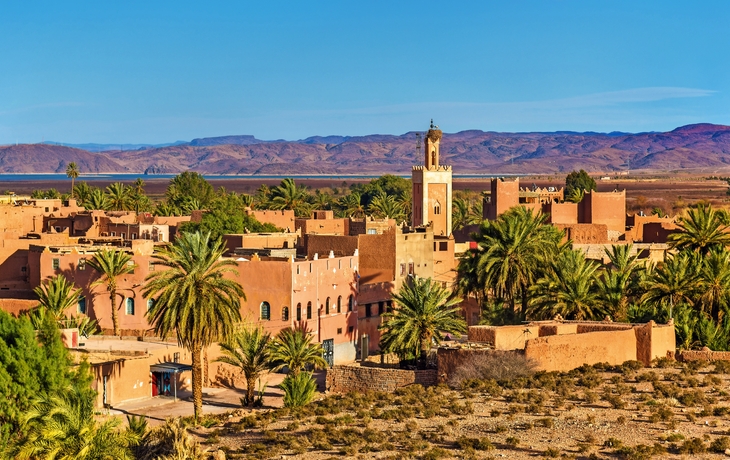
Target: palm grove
<point>521,270</point>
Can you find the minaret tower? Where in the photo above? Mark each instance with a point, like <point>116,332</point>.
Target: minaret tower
<point>432,187</point>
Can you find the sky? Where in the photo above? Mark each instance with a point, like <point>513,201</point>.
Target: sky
<point>157,72</point>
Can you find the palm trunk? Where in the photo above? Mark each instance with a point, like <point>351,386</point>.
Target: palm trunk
<point>250,387</point>
<point>115,318</point>
<point>205,367</point>
<point>73,179</point>
<point>197,382</point>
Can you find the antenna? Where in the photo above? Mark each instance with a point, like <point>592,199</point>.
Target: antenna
<point>418,142</point>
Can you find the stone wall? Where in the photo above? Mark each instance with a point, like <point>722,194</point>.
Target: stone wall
<point>703,355</point>
<point>342,379</point>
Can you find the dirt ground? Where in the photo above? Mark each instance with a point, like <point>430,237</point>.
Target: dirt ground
<point>595,412</point>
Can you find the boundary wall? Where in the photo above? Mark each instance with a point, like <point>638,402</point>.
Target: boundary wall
<point>345,378</point>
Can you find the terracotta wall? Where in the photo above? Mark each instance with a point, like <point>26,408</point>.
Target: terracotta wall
<point>607,208</point>
<point>585,233</point>
<point>17,306</point>
<point>703,355</point>
<point>323,226</point>
<point>503,337</point>
<point>343,379</point>
<point>657,232</point>
<point>505,194</point>
<point>561,213</point>
<point>565,352</point>
<point>323,244</point>
<point>283,219</point>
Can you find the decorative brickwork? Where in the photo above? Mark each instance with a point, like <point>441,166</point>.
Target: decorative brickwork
<point>341,379</point>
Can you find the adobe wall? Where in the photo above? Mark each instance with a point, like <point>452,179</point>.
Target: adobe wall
<point>323,226</point>
<point>657,232</point>
<point>703,355</point>
<point>561,213</point>
<point>323,244</point>
<point>361,226</point>
<point>637,223</point>
<point>585,233</point>
<point>343,379</point>
<point>654,341</point>
<point>566,352</point>
<point>449,359</point>
<point>505,194</point>
<point>607,208</point>
<point>17,306</point>
<point>444,262</point>
<point>283,219</point>
<point>557,329</point>
<point>377,257</point>
<point>259,241</point>
<point>413,248</point>
<point>503,337</point>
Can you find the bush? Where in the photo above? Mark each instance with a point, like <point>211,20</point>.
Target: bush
<point>693,446</point>
<point>495,365</point>
<point>720,445</point>
<point>722,367</point>
<point>299,389</point>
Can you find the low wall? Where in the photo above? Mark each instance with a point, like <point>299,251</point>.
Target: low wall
<point>342,379</point>
<point>449,359</point>
<point>703,355</point>
<point>566,352</point>
<point>503,337</point>
<point>558,329</point>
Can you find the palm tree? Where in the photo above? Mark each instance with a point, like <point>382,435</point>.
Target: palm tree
<point>249,351</point>
<point>293,348</point>
<point>82,191</point>
<point>405,202</point>
<point>110,264</point>
<point>97,200</point>
<point>118,195</point>
<point>674,283</point>
<point>288,195</point>
<point>423,312</point>
<point>700,230</point>
<point>512,252</point>
<point>57,295</point>
<point>194,299</point>
<point>322,200</point>
<point>384,205</point>
<point>351,205</point>
<point>715,282</point>
<point>63,426</point>
<point>567,289</point>
<point>166,209</point>
<point>72,171</point>
<point>619,281</point>
<point>137,199</point>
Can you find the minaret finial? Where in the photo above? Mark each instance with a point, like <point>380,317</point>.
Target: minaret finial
<point>431,123</point>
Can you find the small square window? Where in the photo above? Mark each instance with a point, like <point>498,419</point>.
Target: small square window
<point>81,265</point>
<point>339,331</point>
<point>134,236</point>
<point>56,264</point>
<point>151,266</point>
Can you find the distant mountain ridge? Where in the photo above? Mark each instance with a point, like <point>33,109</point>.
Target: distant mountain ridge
<point>699,147</point>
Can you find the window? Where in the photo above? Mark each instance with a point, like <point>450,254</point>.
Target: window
<point>339,304</point>
<point>82,305</point>
<point>368,310</point>
<point>265,311</point>
<point>134,236</point>
<point>411,270</point>
<point>299,312</point>
<point>285,313</point>
<point>372,231</point>
<point>437,208</point>
<point>402,269</point>
<point>327,306</point>
<point>81,265</point>
<point>297,269</point>
<point>123,235</point>
<point>56,264</point>
<point>350,302</point>
<point>151,266</point>
<point>443,246</point>
<point>129,306</point>
<point>309,310</point>
<point>381,308</point>
<point>114,233</point>
<point>339,331</point>
<point>150,304</point>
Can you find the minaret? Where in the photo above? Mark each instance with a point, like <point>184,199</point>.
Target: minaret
<point>432,187</point>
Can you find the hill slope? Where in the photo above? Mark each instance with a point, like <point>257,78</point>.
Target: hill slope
<point>703,147</point>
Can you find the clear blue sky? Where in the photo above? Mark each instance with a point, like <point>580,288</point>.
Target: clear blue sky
<point>153,71</point>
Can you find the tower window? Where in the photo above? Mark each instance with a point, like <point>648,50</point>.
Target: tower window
<point>299,312</point>
<point>285,313</point>
<point>265,311</point>
<point>130,306</point>
<point>309,310</point>
<point>437,208</point>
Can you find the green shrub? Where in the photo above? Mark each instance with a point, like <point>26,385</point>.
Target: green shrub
<point>721,367</point>
<point>299,389</point>
<point>693,446</point>
<point>721,444</point>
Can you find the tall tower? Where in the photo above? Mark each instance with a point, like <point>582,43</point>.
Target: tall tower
<point>432,187</point>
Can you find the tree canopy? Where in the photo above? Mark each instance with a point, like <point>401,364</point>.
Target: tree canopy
<point>580,181</point>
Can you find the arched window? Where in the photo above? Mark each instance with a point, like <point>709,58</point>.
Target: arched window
<point>299,312</point>
<point>150,304</point>
<point>351,303</point>
<point>309,310</point>
<point>265,311</point>
<point>82,305</point>
<point>437,208</point>
<point>327,306</point>
<point>129,306</point>
<point>285,313</point>
<point>339,304</point>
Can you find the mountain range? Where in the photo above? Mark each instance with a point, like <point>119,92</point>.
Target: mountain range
<point>692,148</point>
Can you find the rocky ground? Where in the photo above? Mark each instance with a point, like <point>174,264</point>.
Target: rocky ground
<point>675,411</point>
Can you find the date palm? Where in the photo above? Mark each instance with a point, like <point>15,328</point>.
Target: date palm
<point>57,295</point>
<point>674,283</point>
<point>619,281</point>
<point>351,205</point>
<point>82,191</point>
<point>386,206</point>
<point>423,312</point>
<point>249,351</point>
<point>288,195</point>
<point>293,348</point>
<point>72,171</point>
<point>97,200</point>
<point>567,289</point>
<point>118,196</point>
<point>64,426</point>
<point>194,299</point>
<point>715,282</point>
<point>701,230</point>
<point>109,265</point>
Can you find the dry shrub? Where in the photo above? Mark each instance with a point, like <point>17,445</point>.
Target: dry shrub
<point>496,365</point>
